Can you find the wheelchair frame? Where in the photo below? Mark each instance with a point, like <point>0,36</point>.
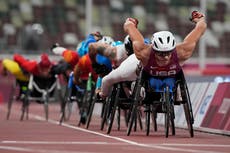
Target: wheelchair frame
<point>45,95</point>
<point>115,103</point>
<point>69,98</point>
<point>16,84</point>
<point>167,106</point>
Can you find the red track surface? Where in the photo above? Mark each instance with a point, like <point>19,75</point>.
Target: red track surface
<point>39,136</point>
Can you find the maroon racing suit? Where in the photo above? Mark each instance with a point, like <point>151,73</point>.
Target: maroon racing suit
<point>162,75</point>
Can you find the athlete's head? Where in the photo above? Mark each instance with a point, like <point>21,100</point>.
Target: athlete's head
<point>163,41</point>
<point>107,40</point>
<point>163,44</point>
<point>128,45</point>
<point>103,65</point>
<point>44,66</point>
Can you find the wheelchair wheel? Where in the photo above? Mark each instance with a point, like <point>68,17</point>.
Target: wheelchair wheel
<point>166,106</point>
<point>90,113</point>
<point>66,106</point>
<point>139,118</point>
<point>84,110</point>
<point>12,95</point>
<point>25,106</point>
<point>172,117</point>
<point>147,119</point>
<point>169,112</point>
<point>118,118</point>
<point>134,108</point>
<point>46,107</point>
<point>114,104</point>
<point>154,120</point>
<point>188,111</point>
<point>105,113</point>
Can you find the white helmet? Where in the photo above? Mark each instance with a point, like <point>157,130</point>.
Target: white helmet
<point>163,41</point>
<point>106,39</point>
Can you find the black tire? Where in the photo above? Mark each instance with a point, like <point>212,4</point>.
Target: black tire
<point>46,107</point>
<point>91,111</point>
<point>154,120</point>
<point>114,104</point>
<point>147,119</point>
<point>118,118</point>
<point>66,106</point>
<point>139,119</point>
<point>172,117</point>
<point>105,113</point>
<point>132,118</point>
<point>134,109</point>
<point>25,106</point>
<point>188,109</point>
<point>188,120</point>
<point>167,112</point>
<point>12,94</point>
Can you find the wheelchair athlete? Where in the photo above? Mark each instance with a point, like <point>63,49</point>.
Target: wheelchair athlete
<point>44,71</point>
<point>83,47</point>
<point>39,69</point>
<point>79,80</point>
<point>163,58</point>
<point>118,52</point>
<point>22,78</point>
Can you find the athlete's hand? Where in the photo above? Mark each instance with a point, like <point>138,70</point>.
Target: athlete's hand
<point>196,16</point>
<point>133,21</point>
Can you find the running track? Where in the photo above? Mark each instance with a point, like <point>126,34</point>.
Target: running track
<point>39,136</point>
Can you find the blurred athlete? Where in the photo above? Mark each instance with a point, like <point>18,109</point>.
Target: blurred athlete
<point>82,48</point>
<point>40,69</point>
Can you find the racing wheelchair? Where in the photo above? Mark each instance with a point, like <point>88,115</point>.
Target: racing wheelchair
<point>41,90</point>
<point>161,102</point>
<point>119,100</point>
<point>17,92</point>
<point>82,95</point>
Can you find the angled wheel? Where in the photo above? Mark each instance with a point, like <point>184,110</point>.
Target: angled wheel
<point>90,112</point>
<point>134,109</point>
<point>12,94</point>
<point>172,117</point>
<point>46,107</point>
<point>147,119</point>
<point>166,105</point>
<point>25,106</point>
<point>188,112</point>
<point>105,114</point>
<point>154,119</point>
<point>66,106</point>
<point>114,104</point>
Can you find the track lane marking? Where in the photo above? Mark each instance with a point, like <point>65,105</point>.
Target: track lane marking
<point>124,140</point>
<point>156,146</point>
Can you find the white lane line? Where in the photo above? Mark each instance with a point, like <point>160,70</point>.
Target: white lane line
<point>156,146</point>
<point>59,142</point>
<point>194,145</point>
<point>37,150</point>
<point>15,148</point>
<point>124,140</point>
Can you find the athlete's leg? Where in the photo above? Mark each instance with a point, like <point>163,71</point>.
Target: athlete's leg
<point>125,72</point>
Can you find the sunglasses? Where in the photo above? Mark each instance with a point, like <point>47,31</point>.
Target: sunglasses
<point>163,54</point>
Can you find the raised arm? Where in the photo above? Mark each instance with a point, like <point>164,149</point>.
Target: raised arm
<point>139,47</point>
<point>27,65</point>
<point>103,49</point>
<point>186,48</point>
